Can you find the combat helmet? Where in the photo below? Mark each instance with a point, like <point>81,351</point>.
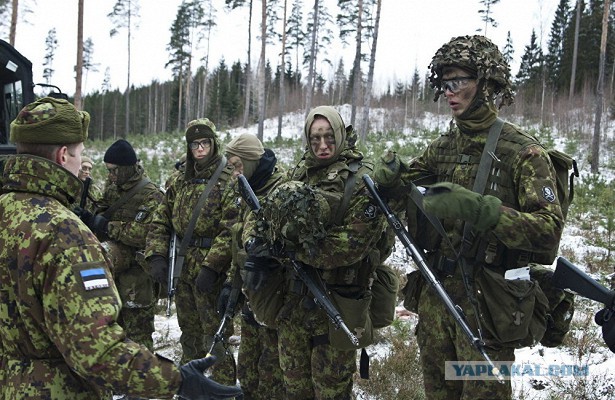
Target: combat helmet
<point>482,57</point>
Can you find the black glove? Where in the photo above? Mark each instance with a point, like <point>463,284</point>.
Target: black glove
<point>206,280</point>
<point>195,386</point>
<point>97,223</point>
<point>223,297</point>
<point>259,269</point>
<point>606,319</point>
<point>259,247</point>
<point>158,269</point>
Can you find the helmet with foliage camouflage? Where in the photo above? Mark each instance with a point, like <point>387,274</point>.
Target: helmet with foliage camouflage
<point>296,215</point>
<point>479,55</point>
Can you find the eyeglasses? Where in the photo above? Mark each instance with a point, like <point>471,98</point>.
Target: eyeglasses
<point>203,143</point>
<point>316,139</point>
<point>112,170</point>
<point>456,84</point>
<point>86,169</point>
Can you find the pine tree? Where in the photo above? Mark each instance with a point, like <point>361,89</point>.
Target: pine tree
<point>509,49</point>
<point>51,45</point>
<point>555,49</point>
<point>486,14</point>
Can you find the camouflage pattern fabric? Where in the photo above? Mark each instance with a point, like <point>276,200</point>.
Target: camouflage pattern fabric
<point>128,228</point>
<point>195,311</point>
<point>58,325</point>
<point>344,259</point>
<point>258,364</point>
<point>531,220</point>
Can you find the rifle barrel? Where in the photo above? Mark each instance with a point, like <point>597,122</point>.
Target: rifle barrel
<point>569,276</point>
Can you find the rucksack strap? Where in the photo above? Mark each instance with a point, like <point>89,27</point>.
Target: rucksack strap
<point>108,213</point>
<point>348,189</point>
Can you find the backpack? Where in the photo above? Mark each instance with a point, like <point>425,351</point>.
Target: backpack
<point>561,302</point>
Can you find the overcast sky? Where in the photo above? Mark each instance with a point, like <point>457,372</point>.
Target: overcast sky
<point>410,33</point>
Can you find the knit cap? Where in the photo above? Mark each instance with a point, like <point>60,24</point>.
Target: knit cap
<point>120,153</point>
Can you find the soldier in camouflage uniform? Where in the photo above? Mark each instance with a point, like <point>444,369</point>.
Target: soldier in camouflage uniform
<point>58,301</point>
<point>94,193</point>
<point>518,212</point>
<point>258,363</point>
<point>337,239</point>
<point>127,207</point>
<point>208,256</point>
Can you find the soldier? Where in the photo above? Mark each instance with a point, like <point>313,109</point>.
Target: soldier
<point>516,219</point>
<point>201,207</point>
<point>322,218</point>
<point>94,193</point>
<point>58,329</point>
<point>258,363</point>
<point>124,216</point>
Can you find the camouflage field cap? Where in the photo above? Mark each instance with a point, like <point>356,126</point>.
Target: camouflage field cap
<point>296,213</point>
<point>50,121</point>
<point>199,129</point>
<point>480,55</point>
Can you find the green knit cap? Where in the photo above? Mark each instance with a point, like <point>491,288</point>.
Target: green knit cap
<point>199,129</point>
<point>50,121</point>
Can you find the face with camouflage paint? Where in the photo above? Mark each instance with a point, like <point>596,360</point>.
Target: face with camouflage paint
<point>460,99</point>
<point>322,138</point>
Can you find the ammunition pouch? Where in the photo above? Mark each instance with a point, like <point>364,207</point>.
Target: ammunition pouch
<point>384,296</point>
<point>412,291</point>
<point>354,310</point>
<point>512,312</point>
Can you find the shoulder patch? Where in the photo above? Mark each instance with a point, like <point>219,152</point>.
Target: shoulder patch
<point>548,194</point>
<point>370,211</point>
<point>94,278</point>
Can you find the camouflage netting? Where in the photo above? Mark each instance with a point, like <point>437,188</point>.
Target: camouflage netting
<point>296,216</point>
<point>480,55</point>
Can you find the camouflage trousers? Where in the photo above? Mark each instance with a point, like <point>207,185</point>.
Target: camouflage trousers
<point>312,368</point>
<point>440,339</point>
<point>136,290</point>
<point>198,321</point>
<point>258,362</point>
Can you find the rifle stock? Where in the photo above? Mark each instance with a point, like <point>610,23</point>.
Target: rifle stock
<point>171,278</point>
<point>569,276</point>
<point>306,273</point>
<point>417,255</point>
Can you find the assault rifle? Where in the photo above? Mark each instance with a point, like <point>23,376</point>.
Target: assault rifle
<point>229,311</point>
<point>569,276</point>
<point>306,273</point>
<point>417,255</point>
<point>171,278</point>
<point>85,192</point>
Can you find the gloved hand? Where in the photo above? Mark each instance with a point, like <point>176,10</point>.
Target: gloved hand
<point>196,386</point>
<point>257,246</point>
<point>606,319</point>
<point>158,269</point>
<point>449,200</point>
<point>222,301</point>
<point>206,280</point>
<point>97,223</point>
<point>386,170</point>
<point>258,271</point>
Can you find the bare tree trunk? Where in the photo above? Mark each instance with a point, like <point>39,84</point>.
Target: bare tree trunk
<point>595,156</point>
<point>127,127</point>
<point>79,67</point>
<point>180,99</point>
<point>246,110</point>
<point>282,96</point>
<point>310,80</point>
<point>356,70</point>
<point>14,14</point>
<point>261,72</point>
<point>575,51</point>
<point>370,76</point>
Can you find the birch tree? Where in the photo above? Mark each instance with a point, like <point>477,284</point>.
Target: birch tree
<point>363,126</point>
<point>595,155</point>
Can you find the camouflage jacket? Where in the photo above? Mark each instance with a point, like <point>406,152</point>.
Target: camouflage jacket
<point>350,248</point>
<point>214,223</point>
<point>58,301</point>
<point>530,220</point>
<point>130,223</point>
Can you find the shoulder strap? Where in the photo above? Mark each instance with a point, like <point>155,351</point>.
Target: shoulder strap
<point>348,189</point>
<point>127,196</point>
<point>195,215</point>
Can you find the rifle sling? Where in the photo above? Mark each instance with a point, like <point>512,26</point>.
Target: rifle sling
<point>183,248</point>
<point>348,189</point>
<point>108,213</point>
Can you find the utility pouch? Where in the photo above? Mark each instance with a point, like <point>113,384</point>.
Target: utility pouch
<point>355,314</point>
<point>512,312</point>
<point>412,291</point>
<point>384,296</point>
<point>267,301</point>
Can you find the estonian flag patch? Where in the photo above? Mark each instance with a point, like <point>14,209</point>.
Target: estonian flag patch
<point>94,278</point>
